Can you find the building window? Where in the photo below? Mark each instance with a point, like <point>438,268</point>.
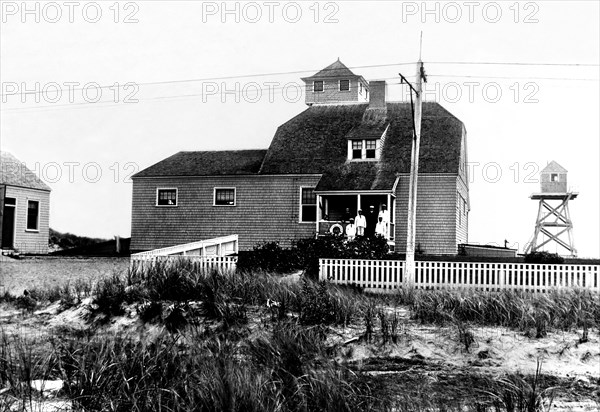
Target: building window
<point>363,149</point>
<point>33,214</point>
<point>357,149</point>
<point>318,86</point>
<point>360,87</point>
<point>344,85</point>
<point>308,205</point>
<point>554,177</point>
<point>371,146</point>
<point>166,197</point>
<point>225,196</point>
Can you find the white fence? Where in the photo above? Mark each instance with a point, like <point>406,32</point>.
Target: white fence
<point>218,246</point>
<point>199,262</point>
<point>385,275</point>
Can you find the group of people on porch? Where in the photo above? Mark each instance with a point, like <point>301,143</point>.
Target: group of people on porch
<point>369,224</point>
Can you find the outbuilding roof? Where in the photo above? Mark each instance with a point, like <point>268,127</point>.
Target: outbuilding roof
<point>13,172</point>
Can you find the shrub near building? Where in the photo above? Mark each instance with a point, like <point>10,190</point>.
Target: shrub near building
<point>305,253</point>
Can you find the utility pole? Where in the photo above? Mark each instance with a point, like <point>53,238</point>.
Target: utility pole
<point>417,108</point>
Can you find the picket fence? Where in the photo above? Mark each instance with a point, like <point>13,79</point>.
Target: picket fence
<point>388,275</point>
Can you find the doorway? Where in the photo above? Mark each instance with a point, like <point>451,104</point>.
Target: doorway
<point>8,223</point>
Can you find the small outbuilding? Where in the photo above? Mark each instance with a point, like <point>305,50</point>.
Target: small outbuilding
<point>24,208</point>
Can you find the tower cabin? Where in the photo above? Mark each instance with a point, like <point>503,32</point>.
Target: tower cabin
<point>553,178</point>
<point>336,84</point>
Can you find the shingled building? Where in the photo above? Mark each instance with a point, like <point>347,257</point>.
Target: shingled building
<point>349,149</point>
<point>24,208</point>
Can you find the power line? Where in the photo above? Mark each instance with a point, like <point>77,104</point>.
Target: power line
<point>254,75</point>
<point>179,96</point>
<point>511,77</point>
<point>520,64</point>
<point>269,89</point>
<point>241,76</point>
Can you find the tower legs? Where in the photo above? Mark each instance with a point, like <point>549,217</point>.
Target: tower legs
<point>553,222</point>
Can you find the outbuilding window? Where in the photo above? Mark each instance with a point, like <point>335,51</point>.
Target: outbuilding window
<point>166,197</point>
<point>308,205</point>
<point>224,196</point>
<point>33,214</point>
<point>554,177</point>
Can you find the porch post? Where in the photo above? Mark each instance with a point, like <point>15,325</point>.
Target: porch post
<point>318,215</point>
<point>357,202</point>
<point>389,223</point>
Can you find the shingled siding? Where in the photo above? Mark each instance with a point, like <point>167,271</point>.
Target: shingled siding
<point>462,213</point>
<point>436,213</point>
<point>267,209</point>
<point>26,241</point>
<point>331,92</point>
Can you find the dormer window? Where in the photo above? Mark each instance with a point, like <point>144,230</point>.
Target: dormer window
<point>344,85</point>
<point>367,149</point>
<point>318,86</point>
<point>357,149</point>
<point>370,148</point>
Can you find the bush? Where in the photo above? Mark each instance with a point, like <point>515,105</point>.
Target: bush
<point>544,257</point>
<point>332,246</point>
<point>305,254</point>
<point>110,295</point>
<point>315,304</point>
<point>270,257</point>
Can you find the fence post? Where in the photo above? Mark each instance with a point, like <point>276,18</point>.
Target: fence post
<point>320,267</point>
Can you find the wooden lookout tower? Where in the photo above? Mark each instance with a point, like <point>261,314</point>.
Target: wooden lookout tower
<point>553,218</point>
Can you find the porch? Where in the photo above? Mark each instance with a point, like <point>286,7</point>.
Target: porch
<point>334,210</point>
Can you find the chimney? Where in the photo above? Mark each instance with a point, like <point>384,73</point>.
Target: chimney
<point>377,90</point>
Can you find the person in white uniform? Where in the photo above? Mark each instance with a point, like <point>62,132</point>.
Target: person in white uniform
<point>381,227</point>
<point>351,230</point>
<point>361,223</point>
<point>384,214</point>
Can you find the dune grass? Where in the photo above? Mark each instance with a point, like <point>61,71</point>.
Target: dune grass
<point>225,362</point>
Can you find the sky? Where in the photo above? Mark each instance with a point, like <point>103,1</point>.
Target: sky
<point>93,92</point>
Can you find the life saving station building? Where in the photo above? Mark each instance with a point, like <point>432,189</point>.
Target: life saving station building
<point>350,148</point>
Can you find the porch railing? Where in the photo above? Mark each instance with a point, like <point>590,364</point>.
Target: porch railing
<point>212,253</point>
<point>326,225</point>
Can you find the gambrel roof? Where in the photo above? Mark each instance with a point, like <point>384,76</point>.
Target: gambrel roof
<point>316,142</point>
<point>13,172</point>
